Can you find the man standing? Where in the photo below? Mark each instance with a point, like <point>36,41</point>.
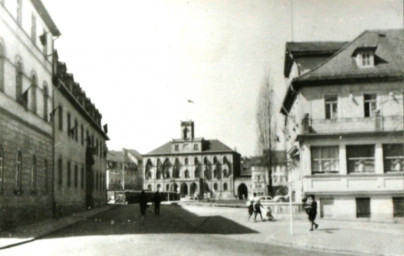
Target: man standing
<point>157,201</point>
<point>311,209</point>
<point>143,204</point>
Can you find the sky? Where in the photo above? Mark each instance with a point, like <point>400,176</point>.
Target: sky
<point>140,61</point>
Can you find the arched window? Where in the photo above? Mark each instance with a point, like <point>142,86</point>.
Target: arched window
<point>149,187</point>
<point>18,171</point>
<point>186,160</point>
<point>205,160</point>
<point>46,175</point>
<point>186,174</point>
<point>1,168</point>
<point>225,186</point>
<point>45,103</point>
<point>33,93</point>
<point>18,80</point>
<point>196,161</point>
<point>214,160</point>
<point>33,173</point>
<point>215,186</point>
<point>167,187</point>
<point>2,57</point>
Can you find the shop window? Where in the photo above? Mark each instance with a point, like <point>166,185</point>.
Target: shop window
<point>398,206</point>
<point>363,207</point>
<point>325,159</point>
<point>361,158</point>
<point>393,157</point>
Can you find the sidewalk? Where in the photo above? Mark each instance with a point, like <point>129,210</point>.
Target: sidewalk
<point>352,237</point>
<point>28,233</point>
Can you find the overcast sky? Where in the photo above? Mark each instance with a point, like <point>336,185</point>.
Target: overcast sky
<point>141,60</point>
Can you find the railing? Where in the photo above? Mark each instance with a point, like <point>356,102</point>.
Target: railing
<point>344,125</point>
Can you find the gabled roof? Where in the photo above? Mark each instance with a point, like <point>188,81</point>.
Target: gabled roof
<point>208,146</point>
<point>388,48</point>
<point>117,156</point>
<point>341,68</point>
<point>295,50</point>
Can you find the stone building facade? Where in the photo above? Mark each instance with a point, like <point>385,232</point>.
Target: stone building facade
<point>345,120</point>
<point>26,46</point>
<point>80,146</point>
<point>193,167</point>
<point>124,170</point>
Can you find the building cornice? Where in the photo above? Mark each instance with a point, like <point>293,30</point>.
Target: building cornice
<point>70,97</point>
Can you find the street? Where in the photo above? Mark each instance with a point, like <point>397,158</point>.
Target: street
<point>178,231</point>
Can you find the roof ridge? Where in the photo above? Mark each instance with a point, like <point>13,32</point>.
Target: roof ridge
<point>332,56</point>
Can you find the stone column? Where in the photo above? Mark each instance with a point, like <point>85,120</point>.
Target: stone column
<point>343,167</point>
<point>379,164</point>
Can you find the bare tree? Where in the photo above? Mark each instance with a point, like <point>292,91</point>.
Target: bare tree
<point>266,126</point>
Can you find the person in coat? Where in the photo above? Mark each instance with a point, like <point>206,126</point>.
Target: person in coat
<point>157,201</point>
<point>143,204</point>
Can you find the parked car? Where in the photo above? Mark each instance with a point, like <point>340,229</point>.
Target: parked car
<point>281,199</point>
<point>265,199</point>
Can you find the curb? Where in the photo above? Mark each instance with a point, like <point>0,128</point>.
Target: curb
<point>77,220</point>
<point>325,249</point>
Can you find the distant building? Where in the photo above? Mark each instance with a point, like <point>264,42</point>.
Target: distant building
<point>80,146</point>
<point>192,166</point>
<point>124,170</point>
<point>26,46</point>
<point>345,124</point>
<point>242,183</point>
<point>259,174</point>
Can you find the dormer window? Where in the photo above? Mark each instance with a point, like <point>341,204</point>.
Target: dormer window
<point>367,59</point>
<point>365,56</point>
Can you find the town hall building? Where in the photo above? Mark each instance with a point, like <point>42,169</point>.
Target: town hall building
<point>193,167</point>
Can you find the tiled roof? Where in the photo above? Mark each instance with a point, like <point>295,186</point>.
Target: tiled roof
<point>208,146</point>
<point>320,49</point>
<point>314,47</point>
<point>341,67</point>
<point>389,56</point>
<point>117,156</point>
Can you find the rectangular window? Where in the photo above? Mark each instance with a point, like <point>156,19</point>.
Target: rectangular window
<point>69,125</point>
<point>61,118</point>
<point>363,207</point>
<point>82,177</point>
<point>60,169</point>
<point>176,147</point>
<point>366,59</point>
<point>361,158</point>
<point>196,147</point>
<point>331,107</point>
<point>33,29</point>
<point>325,159</point>
<point>76,175</point>
<point>370,104</point>
<point>398,206</point>
<point>393,156</point>
<point>76,130</point>
<point>69,173</point>
<point>82,134</point>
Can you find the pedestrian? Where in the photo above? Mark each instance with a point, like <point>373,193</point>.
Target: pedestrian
<point>311,210</point>
<point>157,201</point>
<point>250,207</point>
<point>143,204</point>
<point>257,210</point>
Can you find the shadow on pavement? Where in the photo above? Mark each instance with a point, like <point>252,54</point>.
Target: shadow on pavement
<point>126,219</point>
